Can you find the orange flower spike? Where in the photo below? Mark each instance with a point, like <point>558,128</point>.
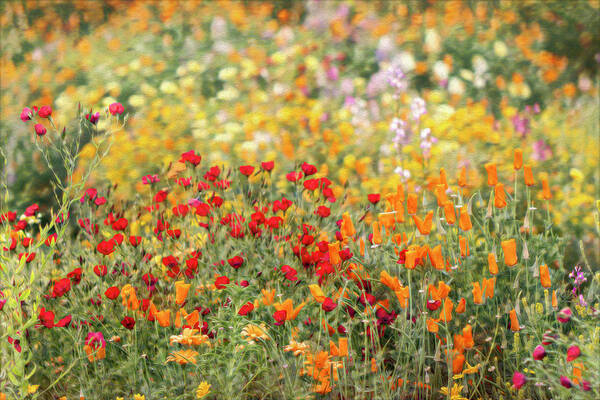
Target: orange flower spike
<point>464,246</point>
<point>347,227</point>
<point>467,334</point>
<point>317,293</point>
<point>477,293</point>
<point>411,258</point>
<point>435,255</point>
<point>488,287</point>
<point>554,300</point>
<point>465,220</point>
<point>361,243</point>
<point>545,276</point>
<point>492,265</point>
<point>449,213</point>
<point>412,203</point>
<point>424,226</point>
<point>334,253</point>
<point>462,306</point>
<point>499,196</point>
<point>164,318</point>
<point>462,177</point>
<point>373,365</point>
<point>492,174</point>
<point>343,346</point>
<point>181,291</point>
<point>376,233</point>
<point>509,247</point>
<point>440,194</point>
<point>546,195</point>
<point>514,322</point>
<point>518,162</point>
<point>268,296</point>
<point>529,181</point>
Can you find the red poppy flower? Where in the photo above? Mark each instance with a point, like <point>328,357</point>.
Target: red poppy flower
<point>100,270</point>
<point>236,262</point>
<point>180,210</point>
<point>135,240</point>
<point>50,239</point>
<point>212,174</point>
<point>29,257</point>
<point>61,287</point>
<point>308,169</point>
<point>160,196</point>
<point>46,318</point>
<point>374,198</point>
<point>246,308</point>
<point>221,282</point>
<point>128,322</point>
<point>106,247</point>
<point>311,184</point>
<point>191,157</point>
<point>328,304</point>
<point>267,165</point>
<point>45,111</point>
<point>112,292</point>
<point>203,209</point>
<point>64,322</point>
<point>246,170</point>
<point>118,238</point>
<point>75,275</point>
<point>120,224</point>
<point>280,317</point>
<point>31,210</point>
<point>294,176</point>
<point>115,108</point>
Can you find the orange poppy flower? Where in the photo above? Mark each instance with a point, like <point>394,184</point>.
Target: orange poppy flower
<point>181,291</point>
<point>499,196</point>
<point>389,281</point>
<point>464,246</point>
<point>554,300</point>
<point>440,292</point>
<point>449,213</point>
<point>477,293</point>
<point>492,174</point>
<point>440,194</point>
<point>317,293</point>
<point>388,221</point>
<point>432,325</point>
<point>468,337</point>
<point>402,294</point>
<point>545,276</point>
<point>462,305</point>
<point>376,233</point>
<point>267,296</point>
<point>514,322</point>
<point>164,318</point>
<point>529,181</point>
<point>424,227</point>
<point>341,350</point>
<point>411,258</point>
<point>518,162</point>
<point>446,313</point>
<point>130,300</point>
<point>443,180</point>
<point>291,312</point>
<point>399,208</point>
<point>412,203</point>
<point>347,227</point>
<point>435,255</point>
<point>509,247</point>
<point>546,195</point>
<point>465,220</point>
<point>488,287</point>
<point>334,253</point>
<point>493,266</point>
<point>457,364</point>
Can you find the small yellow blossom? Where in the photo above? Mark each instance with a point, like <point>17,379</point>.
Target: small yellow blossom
<point>31,389</point>
<point>202,390</point>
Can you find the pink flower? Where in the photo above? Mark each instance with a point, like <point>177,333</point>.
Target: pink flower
<point>40,130</point>
<point>539,353</point>
<point>93,118</point>
<point>518,379</point>
<point>564,315</point>
<point>150,179</point>
<point>573,352</point>
<point>566,382</point>
<point>26,114</point>
<point>45,112</point>
<point>116,108</point>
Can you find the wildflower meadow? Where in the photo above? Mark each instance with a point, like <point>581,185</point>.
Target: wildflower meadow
<point>299,199</point>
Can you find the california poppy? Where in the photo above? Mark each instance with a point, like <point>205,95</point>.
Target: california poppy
<point>424,226</point>
<point>411,203</point>
<point>492,265</point>
<point>181,291</point>
<point>518,161</point>
<point>376,233</point>
<point>529,181</point>
<point>514,322</point>
<point>492,174</point>
<point>499,196</point>
<point>509,247</point>
<point>449,213</point>
<point>465,220</point>
<point>545,276</point>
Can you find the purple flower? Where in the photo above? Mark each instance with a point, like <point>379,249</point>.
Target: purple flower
<point>564,315</point>
<point>521,125</point>
<point>541,150</point>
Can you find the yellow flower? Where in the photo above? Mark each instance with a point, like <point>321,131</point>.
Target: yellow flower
<point>183,357</point>
<point>202,390</point>
<point>139,397</point>
<point>119,398</point>
<point>253,332</point>
<point>454,392</point>
<point>189,337</point>
<point>31,389</point>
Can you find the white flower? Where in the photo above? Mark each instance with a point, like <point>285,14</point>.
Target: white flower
<point>500,49</point>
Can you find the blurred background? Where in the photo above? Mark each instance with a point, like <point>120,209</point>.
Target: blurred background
<point>327,82</point>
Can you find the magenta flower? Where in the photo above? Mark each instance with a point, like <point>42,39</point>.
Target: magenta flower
<point>148,179</point>
<point>116,108</point>
<point>40,130</point>
<point>93,118</point>
<point>539,353</point>
<point>45,112</point>
<point>95,340</point>
<point>573,352</point>
<point>26,114</point>
<point>518,379</point>
<point>566,382</point>
<point>564,315</point>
